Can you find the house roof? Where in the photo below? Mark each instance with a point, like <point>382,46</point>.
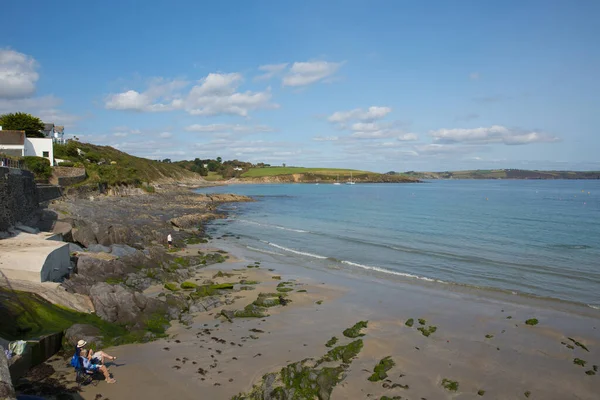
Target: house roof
<point>59,128</point>
<point>48,127</point>
<point>12,137</point>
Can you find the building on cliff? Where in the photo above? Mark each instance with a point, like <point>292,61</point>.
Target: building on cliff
<point>17,144</point>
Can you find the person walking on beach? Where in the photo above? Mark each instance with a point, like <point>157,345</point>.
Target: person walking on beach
<point>169,240</point>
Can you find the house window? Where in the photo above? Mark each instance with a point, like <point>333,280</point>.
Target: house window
<point>45,154</point>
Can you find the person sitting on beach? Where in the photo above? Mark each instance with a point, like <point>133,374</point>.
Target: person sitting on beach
<point>97,357</point>
<point>88,365</point>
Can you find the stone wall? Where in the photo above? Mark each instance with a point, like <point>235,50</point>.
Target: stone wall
<point>19,196</point>
<point>48,192</point>
<point>67,176</point>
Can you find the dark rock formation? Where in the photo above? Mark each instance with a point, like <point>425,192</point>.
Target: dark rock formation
<point>122,305</point>
<point>89,333</point>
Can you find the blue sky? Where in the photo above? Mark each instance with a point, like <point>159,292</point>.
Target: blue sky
<point>378,85</point>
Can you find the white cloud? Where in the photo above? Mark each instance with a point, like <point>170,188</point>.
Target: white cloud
<point>215,94</point>
<point>271,70</point>
<point>45,108</point>
<point>371,114</point>
<point>435,149</point>
<point>492,134</point>
<point>305,73</point>
<point>165,135</point>
<point>120,134</point>
<point>408,137</point>
<point>225,128</point>
<point>380,134</point>
<point>18,74</point>
<point>326,138</point>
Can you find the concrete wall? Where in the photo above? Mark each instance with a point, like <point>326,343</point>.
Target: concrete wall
<point>57,265</point>
<point>37,351</point>
<point>19,196</point>
<point>37,147</point>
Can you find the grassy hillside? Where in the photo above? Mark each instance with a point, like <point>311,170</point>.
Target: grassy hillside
<point>276,171</point>
<point>105,164</point>
<point>506,174</point>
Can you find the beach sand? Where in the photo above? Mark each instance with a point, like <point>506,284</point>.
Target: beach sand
<point>217,359</point>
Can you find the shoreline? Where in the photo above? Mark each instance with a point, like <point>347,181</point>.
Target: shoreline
<point>463,323</point>
<point>474,342</point>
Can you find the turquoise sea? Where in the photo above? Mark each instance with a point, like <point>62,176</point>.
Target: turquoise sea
<point>533,237</point>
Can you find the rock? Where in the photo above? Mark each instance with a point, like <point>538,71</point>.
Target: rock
<point>73,248</point>
<point>89,333</point>
<point>27,229</point>
<point>205,304</point>
<point>193,220</point>
<point>84,234</point>
<point>7,391</point>
<point>98,248</point>
<point>122,250</point>
<point>99,269</point>
<point>121,305</point>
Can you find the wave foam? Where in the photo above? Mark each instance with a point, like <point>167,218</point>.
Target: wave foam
<point>263,251</point>
<point>296,251</point>
<point>387,271</point>
<point>273,226</point>
<point>594,306</point>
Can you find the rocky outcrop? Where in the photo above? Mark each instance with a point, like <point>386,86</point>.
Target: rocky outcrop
<point>193,220</point>
<point>89,333</point>
<point>6,389</point>
<point>121,305</point>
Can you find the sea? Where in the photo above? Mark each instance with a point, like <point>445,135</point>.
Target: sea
<point>536,238</point>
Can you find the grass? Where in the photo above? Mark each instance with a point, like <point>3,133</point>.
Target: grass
<point>275,171</point>
<point>126,169</point>
<point>213,176</point>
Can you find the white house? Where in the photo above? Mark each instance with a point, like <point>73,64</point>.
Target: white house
<point>40,147</point>
<point>17,144</point>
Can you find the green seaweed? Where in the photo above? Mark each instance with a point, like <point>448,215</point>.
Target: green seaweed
<point>245,282</point>
<point>210,290</point>
<point>579,344</point>
<point>595,367</point>
<point>188,285</point>
<point>579,361</point>
<point>390,398</point>
<point>354,332</point>
<point>532,321</point>
<point>422,321</point>
<point>590,372</point>
<point>301,291</point>
<point>481,392</point>
<point>319,302</point>
<point>381,369</point>
<point>276,277</point>
<point>409,322</point>
<point>488,336</point>
<point>450,385</point>
<point>182,261</point>
<point>345,353</point>
<point>222,274</point>
<point>114,281</point>
<point>171,286</point>
<point>427,331</point>
<point>284,289</point>
<point>331,342</point>
<point>308,383</point>
<point>282,284</point>
<point>527,394</point>
<point>267,300</point>
<point>251,311</point>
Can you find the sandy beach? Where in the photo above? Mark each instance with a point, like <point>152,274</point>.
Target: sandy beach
<point>483,345</point>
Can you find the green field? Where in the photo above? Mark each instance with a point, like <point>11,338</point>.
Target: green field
<point>213,176</point>
<point>275,171</point>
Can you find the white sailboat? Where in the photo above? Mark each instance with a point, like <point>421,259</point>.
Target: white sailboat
<point>350,182</point>
<point>337,182</point>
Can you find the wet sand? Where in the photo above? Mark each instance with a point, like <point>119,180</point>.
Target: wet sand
<point>216,359</point>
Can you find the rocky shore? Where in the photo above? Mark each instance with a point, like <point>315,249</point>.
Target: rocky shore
<point>197,319</point>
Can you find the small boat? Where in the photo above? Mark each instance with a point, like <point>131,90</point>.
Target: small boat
<point>350,182</point>
<point>337,182</point>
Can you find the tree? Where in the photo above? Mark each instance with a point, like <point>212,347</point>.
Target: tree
<point>219,160</point>
<point>20,121</point>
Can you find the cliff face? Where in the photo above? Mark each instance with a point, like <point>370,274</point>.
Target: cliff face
<point>327,179</point>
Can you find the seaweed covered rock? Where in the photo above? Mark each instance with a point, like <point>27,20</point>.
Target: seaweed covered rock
<point>355,331</point>
<point>119,304</point>
<point>344,353</point>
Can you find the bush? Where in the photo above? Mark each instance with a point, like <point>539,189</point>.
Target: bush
<point>92,156</point>
<point>39,166</point>
<point>66,164</point>
<point>65,150</point>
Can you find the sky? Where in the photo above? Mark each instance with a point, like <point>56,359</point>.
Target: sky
<point>375,85</point>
